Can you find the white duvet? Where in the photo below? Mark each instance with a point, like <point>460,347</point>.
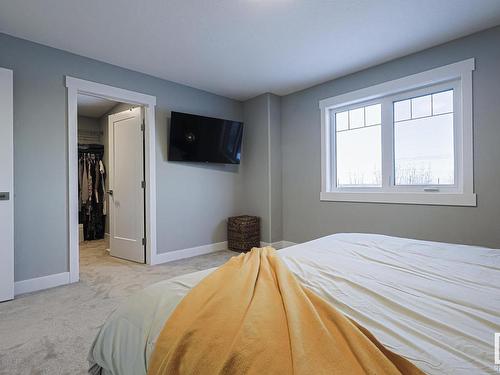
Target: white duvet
<point>436,304</point>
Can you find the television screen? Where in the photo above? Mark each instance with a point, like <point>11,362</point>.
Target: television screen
<point>204,139</point>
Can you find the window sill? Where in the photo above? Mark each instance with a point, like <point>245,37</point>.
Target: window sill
<point>439,199</point>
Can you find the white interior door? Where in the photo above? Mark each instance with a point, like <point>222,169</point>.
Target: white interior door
<point>6,186</point>
<point>126,192</point>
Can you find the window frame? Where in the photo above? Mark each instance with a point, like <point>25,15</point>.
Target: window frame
<point>456,76</point>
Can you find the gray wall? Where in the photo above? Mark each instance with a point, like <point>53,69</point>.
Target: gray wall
<point>193,200</point>
<point>89,124</point>
<point>305,217</point>
<point>261,162</point>
<point>276,166</point>
<point>255,161</point>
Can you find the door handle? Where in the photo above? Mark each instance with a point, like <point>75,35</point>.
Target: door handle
<point>4,196</point>
<point>110,192</point>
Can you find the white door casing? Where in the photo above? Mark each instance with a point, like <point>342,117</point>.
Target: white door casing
<point>125,179</point>
<point>77,86</point>
<point>6,185</point>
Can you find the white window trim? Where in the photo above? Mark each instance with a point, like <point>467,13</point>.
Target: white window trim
<point>464,195</point>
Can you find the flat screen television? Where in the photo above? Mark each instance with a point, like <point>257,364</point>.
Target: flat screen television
<point>204,139</point>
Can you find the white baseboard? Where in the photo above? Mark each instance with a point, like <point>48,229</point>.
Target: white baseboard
<point>51,281</point>
<point>170,256</point>
<point>39,283</point>
<point>278,244</point>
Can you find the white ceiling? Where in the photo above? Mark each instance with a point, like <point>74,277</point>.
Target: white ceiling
<point>242,48</point>
<point>91,106</point>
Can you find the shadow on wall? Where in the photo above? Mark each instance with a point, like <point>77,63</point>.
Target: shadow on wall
<point>163,134</point>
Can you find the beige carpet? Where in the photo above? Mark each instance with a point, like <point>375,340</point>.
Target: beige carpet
<point>50,332</point>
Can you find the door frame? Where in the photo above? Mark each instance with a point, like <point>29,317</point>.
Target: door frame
<point>77,86</point>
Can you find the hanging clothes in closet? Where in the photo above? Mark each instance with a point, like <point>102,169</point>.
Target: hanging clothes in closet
<point>91,189</point>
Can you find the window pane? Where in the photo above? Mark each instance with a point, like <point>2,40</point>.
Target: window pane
<point>356,118</point>
<point>359,157</point>
<point>402,110</point>
<point>372,114</point>
<point>421,106</point>
<point>342,121</point>
<point>423,150</point>
<point>442,102</point>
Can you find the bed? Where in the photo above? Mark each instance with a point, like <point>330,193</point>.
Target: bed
<point>436,304</point>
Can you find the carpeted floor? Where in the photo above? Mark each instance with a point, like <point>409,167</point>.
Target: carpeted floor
<point>50,332</point>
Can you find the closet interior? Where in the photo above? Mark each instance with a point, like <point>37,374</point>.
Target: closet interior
<point>93,207</point>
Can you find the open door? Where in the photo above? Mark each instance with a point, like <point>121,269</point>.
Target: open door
<point>6,186</point>
<point>126,185</point>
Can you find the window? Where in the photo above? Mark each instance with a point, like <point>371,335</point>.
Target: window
<point>359,161</point>
<point>403,141</point>
<point>424,141</point>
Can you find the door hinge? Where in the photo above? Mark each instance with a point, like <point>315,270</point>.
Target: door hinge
<point>144,241</point>
<point>143,126</point>
<point>143,184</point>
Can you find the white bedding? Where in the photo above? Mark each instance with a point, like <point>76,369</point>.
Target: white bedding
<point>436,304</point>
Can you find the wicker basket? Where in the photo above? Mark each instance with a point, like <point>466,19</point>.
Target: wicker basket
<point>243,233</point>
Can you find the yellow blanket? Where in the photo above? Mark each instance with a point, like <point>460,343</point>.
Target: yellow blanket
<point>251,316</point>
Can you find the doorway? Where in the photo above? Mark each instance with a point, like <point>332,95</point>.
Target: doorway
<point>128,235</point>
<point>110,179</point>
